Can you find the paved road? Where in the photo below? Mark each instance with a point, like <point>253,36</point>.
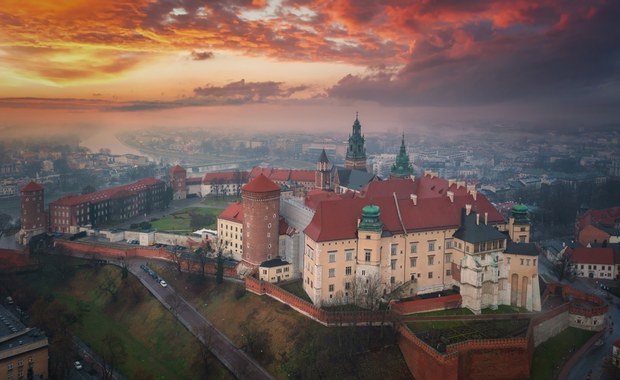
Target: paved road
<point>237,361</point>
<point>592,360</point>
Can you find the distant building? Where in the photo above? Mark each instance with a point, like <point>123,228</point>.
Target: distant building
<point>598,226</point>
<point>109,205</point>
<point>23,350</point>
<point>597,263</point>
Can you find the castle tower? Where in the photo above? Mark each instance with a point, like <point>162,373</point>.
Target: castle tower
<point>356,152</point>
<point>261,220</point>
<point>323,173</point>
<point>402,167</point>
<point>178,181</point>
<point>33,216</point>
<point>519,224</point>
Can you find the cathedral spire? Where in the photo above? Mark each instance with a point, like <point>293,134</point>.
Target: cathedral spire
<point>356,152</point>
<point>402,167</point>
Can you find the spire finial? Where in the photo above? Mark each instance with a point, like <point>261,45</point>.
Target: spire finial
<point>356,115</point>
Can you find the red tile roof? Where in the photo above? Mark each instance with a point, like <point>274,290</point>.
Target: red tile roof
<point>303,175</point>
<point>314,197</point>
<point>336,219</point>
<point>31,187</point>
<point>111,193</point>
<point>178,169</point>
<point>283,175</point>
<point>234,212</point>
<point>261,184</point>
<point>607,216</point>
<point>193,181</point>
<point>585,255</point>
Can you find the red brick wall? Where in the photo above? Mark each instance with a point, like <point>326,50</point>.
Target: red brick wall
<point>599,306</point>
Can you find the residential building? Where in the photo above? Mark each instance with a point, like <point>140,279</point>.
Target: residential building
<point>23,350</point>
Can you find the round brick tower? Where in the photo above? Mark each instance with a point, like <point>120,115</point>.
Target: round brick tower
<point>261,220</point>
<point>32,212</point>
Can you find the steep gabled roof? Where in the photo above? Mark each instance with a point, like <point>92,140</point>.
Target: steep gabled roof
<point>323,157</point>
<point>473,230</point>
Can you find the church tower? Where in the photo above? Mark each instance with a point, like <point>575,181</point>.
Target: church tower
<point>356,152</point>
<point>323,173</point>
<point>402,168</point>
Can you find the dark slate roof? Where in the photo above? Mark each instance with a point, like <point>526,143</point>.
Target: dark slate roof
<point>473,232</point>
<point>354,179</point>
<point>527,249</point>
<point>273,263</point>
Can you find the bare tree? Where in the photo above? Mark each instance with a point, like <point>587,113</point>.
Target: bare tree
<point>366,291</point>
<point>109,284</point>
<point>113,354</point>
<point>176,258</point>
<point>564,268</point>
<point>6,223</point>
<point>175,302</point>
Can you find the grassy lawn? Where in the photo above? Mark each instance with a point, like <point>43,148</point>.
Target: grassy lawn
<point>157,346</point>
<point>297,288</point>
<point>180,221</point>
<point>297,346</point>
<point>504,309</point>
<point>219,202</point>
<point>556,350</point>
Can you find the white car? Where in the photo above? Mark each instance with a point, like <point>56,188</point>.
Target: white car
<point>163,283</point>
<point>77,365</point>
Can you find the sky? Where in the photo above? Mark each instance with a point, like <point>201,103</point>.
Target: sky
<point>305,65</point>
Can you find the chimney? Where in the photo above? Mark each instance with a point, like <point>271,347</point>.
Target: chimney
<point>474,193</point>
<point>414,199</point>
<point>358,222</point>
<point>451,182</point>
<point>467,209</point>
<point>412,177</point>
<point>451,196</point>
<point>486,218</point>
<point>477,219</point>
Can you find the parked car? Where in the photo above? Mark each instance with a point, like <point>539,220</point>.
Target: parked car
<point>163,283</point>
<point>77,365</point>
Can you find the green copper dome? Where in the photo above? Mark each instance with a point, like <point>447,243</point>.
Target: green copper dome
<point>519,213</point>
<point>370,219</point>
<point>402,167</point>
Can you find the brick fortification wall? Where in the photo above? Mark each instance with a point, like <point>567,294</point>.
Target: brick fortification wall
<point>150,253</point>
<point>327,318</point>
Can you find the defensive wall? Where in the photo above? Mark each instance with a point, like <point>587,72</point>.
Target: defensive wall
<point>118,253</point>
<point>473,359</point>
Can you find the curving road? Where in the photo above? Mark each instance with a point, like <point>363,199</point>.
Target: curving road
<point>236,360</point>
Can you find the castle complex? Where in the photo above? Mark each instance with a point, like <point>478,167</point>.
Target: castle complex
<point>355,238</point>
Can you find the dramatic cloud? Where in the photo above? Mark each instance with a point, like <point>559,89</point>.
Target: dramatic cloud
<point>448,52</point>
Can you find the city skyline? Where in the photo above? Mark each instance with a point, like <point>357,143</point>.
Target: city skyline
<point>271,65</point>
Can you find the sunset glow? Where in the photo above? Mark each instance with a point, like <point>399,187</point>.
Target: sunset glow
<point>145,55</point>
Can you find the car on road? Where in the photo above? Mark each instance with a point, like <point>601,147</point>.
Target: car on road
<point>77,365</point>
<point>163,283</point>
